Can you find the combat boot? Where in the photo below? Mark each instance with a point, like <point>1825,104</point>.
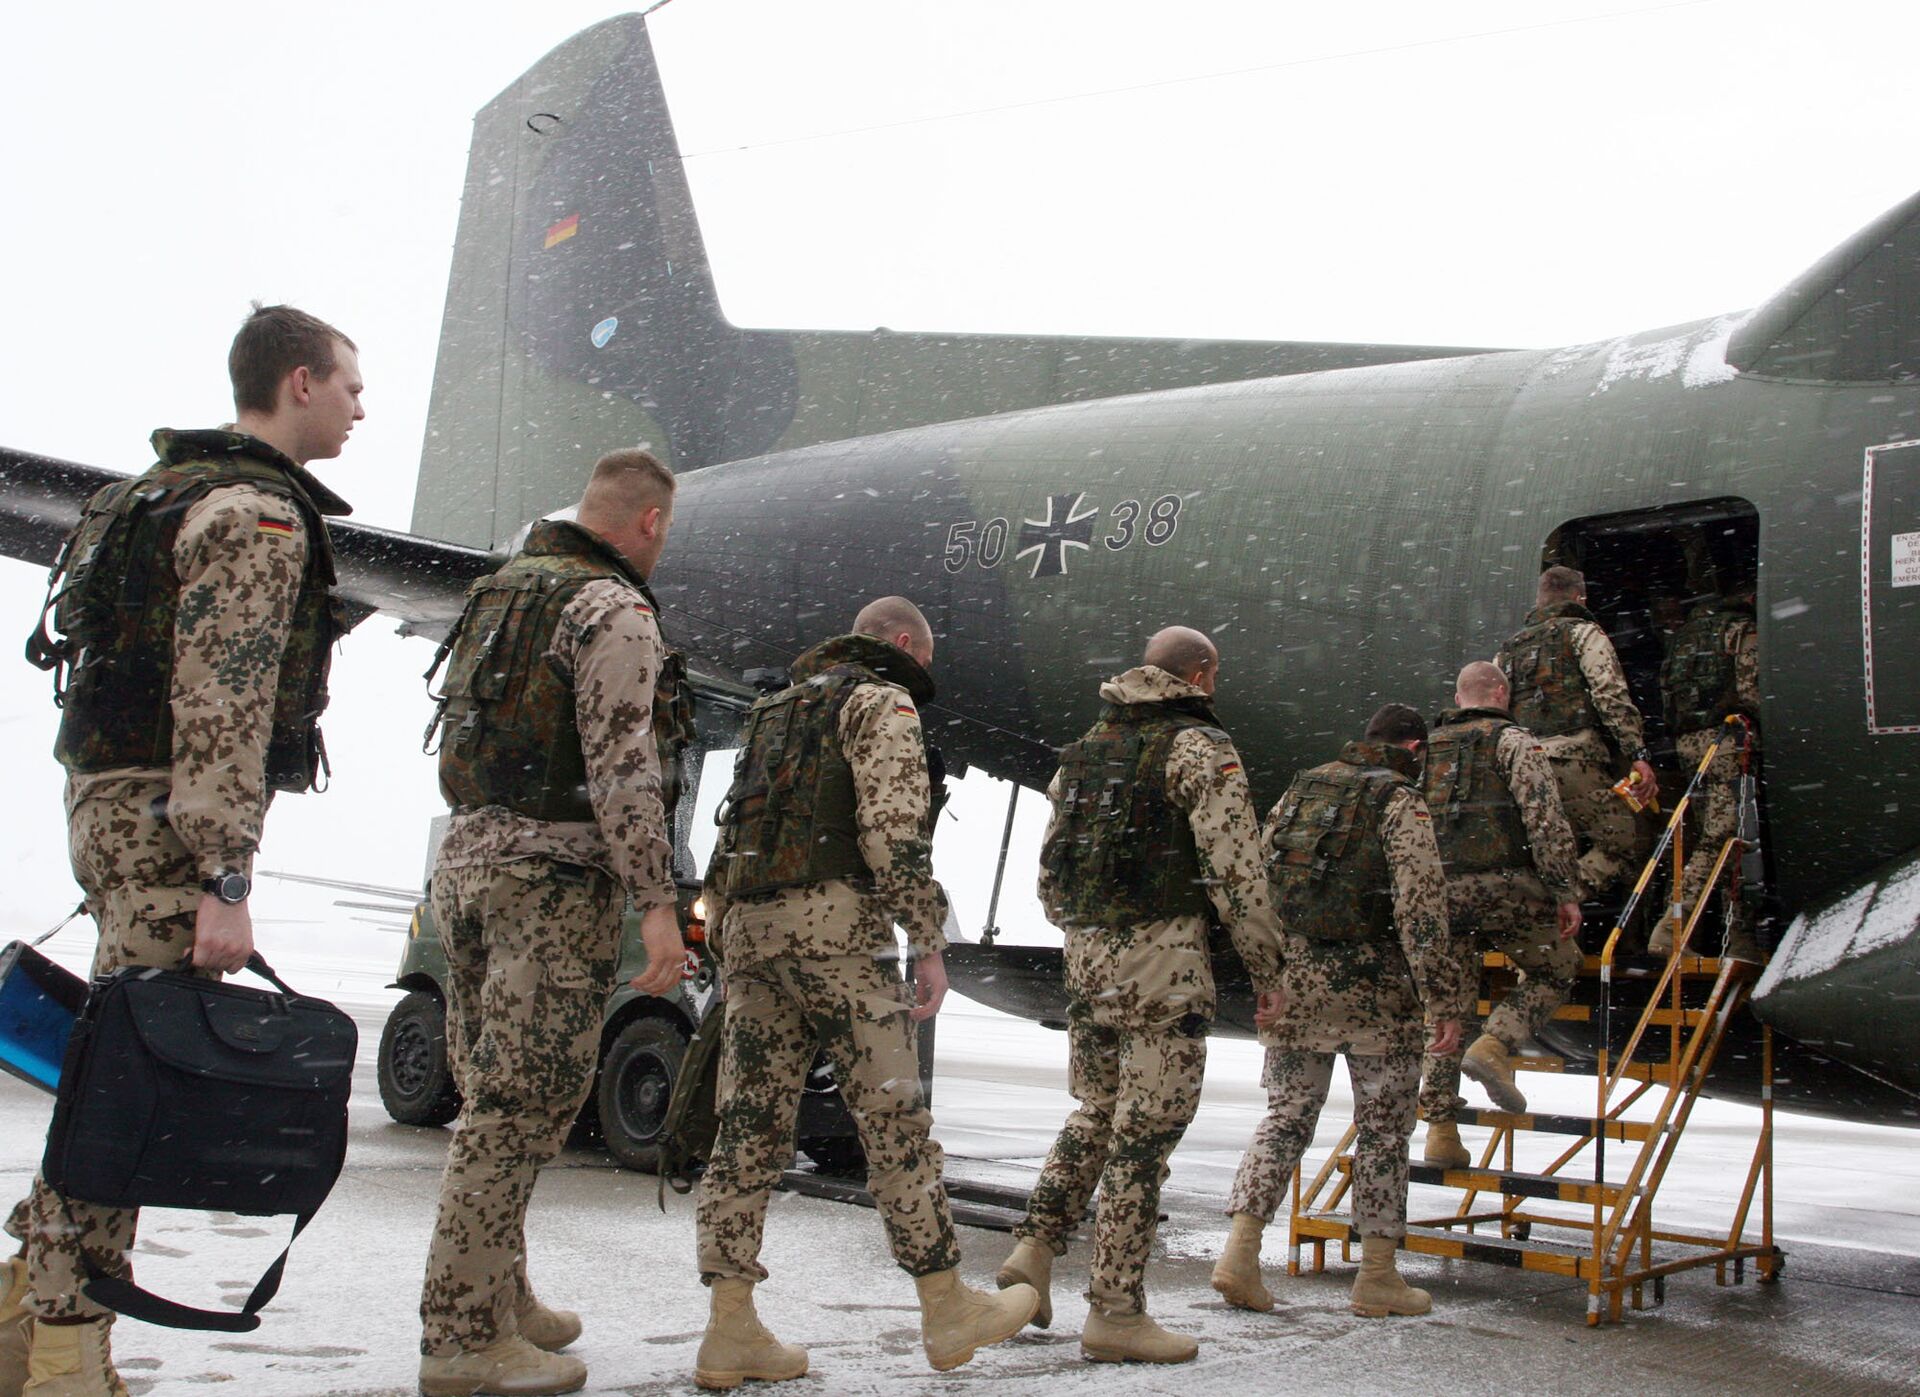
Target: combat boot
<point>509,1367</point>
<point>737,1346</point>
<point>1031,1263</point>
<point>1378,1289</point>
<point>1237,1274</point>
<point>956,1319</point>
<point>1111,1338</point>
<point>1486,1062</point>
<point>545,1328</point>
<point>13,1326</point>
<point>1444,1149</point>
<point>70,1360</point>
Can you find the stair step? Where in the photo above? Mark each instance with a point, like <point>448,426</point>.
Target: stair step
<point>1554,1125</point>
<point>1557,1258</point>
<point>1635,1072</point>
<point>1585,1013</point>
<point>1625,967</point>
<point>1509,1183</point>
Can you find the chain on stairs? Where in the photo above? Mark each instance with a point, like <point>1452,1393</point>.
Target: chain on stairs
<point>1588,1211</point>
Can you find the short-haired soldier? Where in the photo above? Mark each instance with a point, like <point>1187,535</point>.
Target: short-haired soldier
<point>825,843</point>
<point>1568,690</point>
<point>197,629</point>
<point>1512,887</point>
<point>1361,897</point>
<point>550,759</point>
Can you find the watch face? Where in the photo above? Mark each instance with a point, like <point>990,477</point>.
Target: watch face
<point>229,887</point>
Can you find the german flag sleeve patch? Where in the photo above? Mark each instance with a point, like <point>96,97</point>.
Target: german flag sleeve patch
<point>280,528</point>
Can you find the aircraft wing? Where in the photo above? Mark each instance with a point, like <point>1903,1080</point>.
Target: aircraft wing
<point>421,581</point>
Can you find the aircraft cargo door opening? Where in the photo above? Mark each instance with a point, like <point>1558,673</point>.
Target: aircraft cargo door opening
<point>1646,571</point>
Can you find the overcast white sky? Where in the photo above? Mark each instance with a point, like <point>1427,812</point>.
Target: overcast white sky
<point>1525,172</point>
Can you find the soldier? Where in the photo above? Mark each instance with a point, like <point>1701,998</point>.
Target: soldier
<point>549,759</point>
<point>1569,691</point>
<point>1153,837</point>
<point>1512,887</point>
<point>1712,672</point>
<point>1361,897</point>
<point>825,844</point>
<point>197,631</point>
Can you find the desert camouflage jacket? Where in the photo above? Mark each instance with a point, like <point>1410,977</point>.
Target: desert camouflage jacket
<point>1154,973</point>
<point>240,554</point>
<point>607,646</point>
<point>1375,997</point>
<point>879,734</point>
<point>1606,690</point>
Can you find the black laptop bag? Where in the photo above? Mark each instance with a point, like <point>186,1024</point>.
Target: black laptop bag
<point>179,1091</point>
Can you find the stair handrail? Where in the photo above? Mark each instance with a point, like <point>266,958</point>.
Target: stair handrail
<point>1736,726</point>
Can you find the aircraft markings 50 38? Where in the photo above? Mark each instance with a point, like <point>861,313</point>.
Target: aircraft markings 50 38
<point>1069,523</point>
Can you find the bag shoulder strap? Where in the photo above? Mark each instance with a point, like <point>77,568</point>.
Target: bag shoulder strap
<point>121,1295</point>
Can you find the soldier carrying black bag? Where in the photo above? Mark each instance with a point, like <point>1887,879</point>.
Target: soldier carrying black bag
<point>195,622</point>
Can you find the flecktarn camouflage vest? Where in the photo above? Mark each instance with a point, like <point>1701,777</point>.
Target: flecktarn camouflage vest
<point>1699,685</point>
<point>113,597</point>
<point>505,720</point>
<point>1328,864</point>
<point>1120,851</point>
<point>1476,820</point>
<point>789,819</point>
<point>1549,694</point>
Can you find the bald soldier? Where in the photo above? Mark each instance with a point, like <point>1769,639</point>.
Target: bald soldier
<point>1569,691</point>
<point>1512,887</point>
<point>549,760</point>
<point>1153,838</point>
<point>825,843</point>
<point>1358,887</point>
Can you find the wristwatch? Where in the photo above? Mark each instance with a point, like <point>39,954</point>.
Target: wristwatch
<point>230,888</point>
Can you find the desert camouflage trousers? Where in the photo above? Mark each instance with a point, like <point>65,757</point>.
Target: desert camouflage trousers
<point>532,947</point>
<point>856,1011</point>
<point>142,889</point>
<point>1511,913</point>
<point>1602,824</point>
<point>1385,1088</point>
<point>1138,1089</point>
<point>1716,805</point>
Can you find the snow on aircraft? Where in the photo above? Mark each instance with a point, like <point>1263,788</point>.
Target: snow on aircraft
<point>1350,522</point>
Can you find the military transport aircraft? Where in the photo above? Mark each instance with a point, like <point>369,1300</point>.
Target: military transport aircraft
<point>1351,522</point>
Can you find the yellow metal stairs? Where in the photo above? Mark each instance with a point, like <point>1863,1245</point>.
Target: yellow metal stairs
<point>1584,1204</point>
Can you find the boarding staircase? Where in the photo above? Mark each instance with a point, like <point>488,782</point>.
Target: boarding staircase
<point>1583,1205</point>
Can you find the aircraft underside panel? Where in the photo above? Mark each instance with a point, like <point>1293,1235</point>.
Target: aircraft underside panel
<point>1846,977</point>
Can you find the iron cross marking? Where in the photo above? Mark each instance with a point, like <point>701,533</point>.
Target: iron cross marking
<point>1067,525</point>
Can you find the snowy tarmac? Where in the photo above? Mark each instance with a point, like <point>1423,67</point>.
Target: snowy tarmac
<point>1845,1318</point>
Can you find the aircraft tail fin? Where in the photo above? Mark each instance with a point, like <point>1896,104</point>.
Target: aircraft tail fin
<point>581,315</point>
<point>1853,317</point>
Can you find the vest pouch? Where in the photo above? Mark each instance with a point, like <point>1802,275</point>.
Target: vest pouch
<point>1329,879</point>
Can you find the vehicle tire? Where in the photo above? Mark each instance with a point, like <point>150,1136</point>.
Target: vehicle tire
<point>416,1084</point>
<point>837,1154</point>
<point>636,1087</point>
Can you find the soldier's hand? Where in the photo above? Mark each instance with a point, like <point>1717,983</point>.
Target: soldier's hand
<point>929,986</point>
<point>222,935</point>
<point>1569,920</point>
<point>1645,784</point>
<point>1268,1006</point>
<point>1446,1038</point>
<point>666,953</point>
